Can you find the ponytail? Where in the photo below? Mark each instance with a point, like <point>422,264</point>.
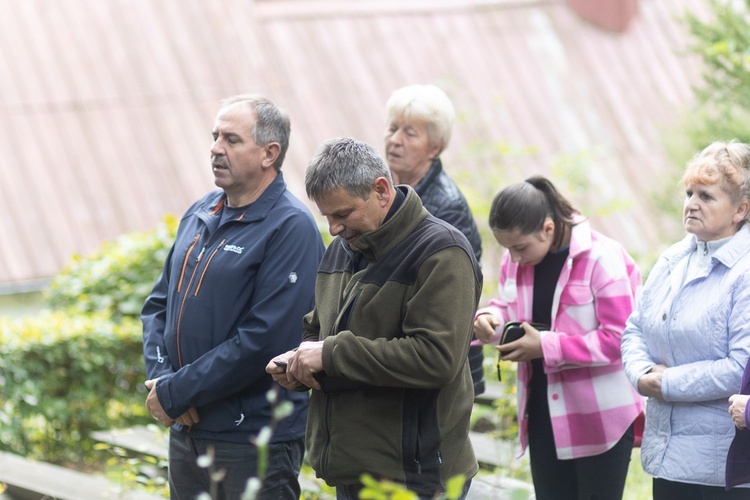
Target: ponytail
<point>524,206</point>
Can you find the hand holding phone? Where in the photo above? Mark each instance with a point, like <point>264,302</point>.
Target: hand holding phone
<point>513,331</point>
<point>280,364</point>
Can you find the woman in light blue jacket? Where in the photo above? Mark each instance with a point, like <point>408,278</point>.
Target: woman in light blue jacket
<point>687,343</point>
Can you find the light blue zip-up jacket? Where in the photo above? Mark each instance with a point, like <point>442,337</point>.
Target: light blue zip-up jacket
<point>700,329</point>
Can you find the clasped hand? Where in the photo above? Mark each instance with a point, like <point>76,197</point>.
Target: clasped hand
<point>737,405</point>
<point>154,407</point>
<point>650,383</point>
<point>302,364</point>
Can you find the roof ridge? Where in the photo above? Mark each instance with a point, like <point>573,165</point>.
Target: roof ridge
<point>335,8</point>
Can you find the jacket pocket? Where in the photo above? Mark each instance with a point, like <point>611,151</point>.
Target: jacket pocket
<point>576,294</point>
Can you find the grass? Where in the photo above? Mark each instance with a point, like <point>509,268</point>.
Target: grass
<point>638,483</point>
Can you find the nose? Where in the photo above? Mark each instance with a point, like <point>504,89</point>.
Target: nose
<point>691,203</point>
<point>334,227</point>
<point>216,148</point>
<point>515,256</point>
<point>393,136</point>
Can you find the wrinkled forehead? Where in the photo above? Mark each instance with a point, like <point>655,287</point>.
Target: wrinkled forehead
<point>338,201</point>
<point>236,115</point>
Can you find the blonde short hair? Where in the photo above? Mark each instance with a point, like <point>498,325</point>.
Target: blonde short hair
<point>724,162</point>
<point>426,103</point>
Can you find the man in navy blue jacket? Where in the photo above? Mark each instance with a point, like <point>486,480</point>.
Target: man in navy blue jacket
<point>234,288</point>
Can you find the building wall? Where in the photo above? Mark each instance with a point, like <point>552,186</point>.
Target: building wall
<point>21,304</point>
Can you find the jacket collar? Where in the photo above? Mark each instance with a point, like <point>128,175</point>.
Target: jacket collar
<point>728,254</point>
<point>580,236</point>
<point>435,169</point>
<point>255,211</point>
<point>374,244</point>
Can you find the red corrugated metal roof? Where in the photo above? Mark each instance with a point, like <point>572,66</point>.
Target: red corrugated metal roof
<point>106,108</point>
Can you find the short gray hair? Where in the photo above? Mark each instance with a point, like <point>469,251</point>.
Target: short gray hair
<point>271,123</point>
<point>344,163</point>
<point>426,103</point>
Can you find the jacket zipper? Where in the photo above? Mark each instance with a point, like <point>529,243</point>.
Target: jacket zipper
<point>184,298</point>
<point>327,446</point>
<point>205,268</point>
<point>184,262</point>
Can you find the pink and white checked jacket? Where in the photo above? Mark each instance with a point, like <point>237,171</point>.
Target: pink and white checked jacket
<point>591,401</point>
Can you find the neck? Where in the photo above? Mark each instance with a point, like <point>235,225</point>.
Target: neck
<point>412,178</point>
<point>565,240</point>
<point>247,197</point>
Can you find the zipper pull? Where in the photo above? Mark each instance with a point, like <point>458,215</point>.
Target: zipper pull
<point>705,248</point>
<point>198,259</point>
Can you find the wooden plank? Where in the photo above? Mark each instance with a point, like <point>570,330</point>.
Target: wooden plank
<point>496,486</point>
<point>492,393</point>
<point>491,451</point>
<point>153,440</point>
<point>27,479</point>
<point>148,440</point>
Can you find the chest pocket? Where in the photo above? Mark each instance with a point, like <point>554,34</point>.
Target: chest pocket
<point>509,291</point>
<point>576,294</point>
<point>577,301</point>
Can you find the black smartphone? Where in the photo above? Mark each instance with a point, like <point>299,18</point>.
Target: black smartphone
<point>280,364</point>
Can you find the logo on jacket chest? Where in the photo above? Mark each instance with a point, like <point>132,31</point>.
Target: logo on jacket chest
<point>233,248</point>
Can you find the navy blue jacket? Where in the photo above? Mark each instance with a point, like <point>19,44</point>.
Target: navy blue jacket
<point>231,297</point>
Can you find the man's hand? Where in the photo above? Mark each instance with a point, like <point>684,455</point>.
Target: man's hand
<point>189,418</point>
<point>737,406</point>
<point>154,406</point>
<point>306,361</point>
<point>526,348</point>
<point>484,327</point>
<point>278,373</point>
<point>650,383</point>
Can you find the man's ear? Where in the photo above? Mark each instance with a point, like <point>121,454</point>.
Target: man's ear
<point>271,152</point>
<point>382,191</point>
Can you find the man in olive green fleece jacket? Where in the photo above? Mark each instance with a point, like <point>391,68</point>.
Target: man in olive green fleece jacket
<point>385,349</point>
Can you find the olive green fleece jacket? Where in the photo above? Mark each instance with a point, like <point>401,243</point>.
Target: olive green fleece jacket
<point>397,391</point>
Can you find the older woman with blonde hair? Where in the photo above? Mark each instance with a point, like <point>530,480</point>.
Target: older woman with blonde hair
<point>418,128</point>
<point>687,343</point>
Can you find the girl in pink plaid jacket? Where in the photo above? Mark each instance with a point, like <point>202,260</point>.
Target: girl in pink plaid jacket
<point>576,407</point>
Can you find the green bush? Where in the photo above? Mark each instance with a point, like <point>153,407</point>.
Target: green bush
<point>63,376</point>
<point>118,277</point>
<point>79,367</point>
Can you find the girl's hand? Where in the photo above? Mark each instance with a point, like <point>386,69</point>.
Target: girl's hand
<point>484,327</point>
<point>526,348</point>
